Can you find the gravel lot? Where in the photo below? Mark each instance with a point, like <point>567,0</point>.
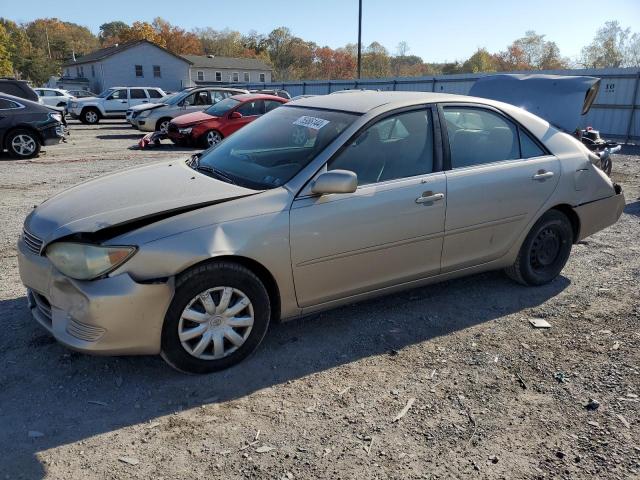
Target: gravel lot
<point>492,397</point>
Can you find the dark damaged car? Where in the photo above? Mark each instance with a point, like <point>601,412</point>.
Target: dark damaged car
<point>26,126</point>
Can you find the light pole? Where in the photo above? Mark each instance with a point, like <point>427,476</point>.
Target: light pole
<point>359,39</point>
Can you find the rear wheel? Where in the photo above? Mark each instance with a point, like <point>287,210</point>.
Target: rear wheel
<point>219,315</point>
<point>23,144</point>
<point>90,116</point>
<point>545,251</point>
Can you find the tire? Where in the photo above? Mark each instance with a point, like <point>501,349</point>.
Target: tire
<point>90,116</point>
<point>188,312</point>
<point>159,123</point>
<point>22,144</point>
<point>211,138</point>
<point>544,252</point>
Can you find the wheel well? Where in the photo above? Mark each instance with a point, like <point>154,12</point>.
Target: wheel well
<point>573,218</point>
<point>20,127</point>
<point>259,270</point>
<point>162,120</point>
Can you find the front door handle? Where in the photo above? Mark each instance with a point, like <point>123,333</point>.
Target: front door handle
<point>542,175</point>
<point>429,197</point>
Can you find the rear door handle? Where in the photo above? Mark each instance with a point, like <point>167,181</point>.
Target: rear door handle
<point>429,197</point>
<point>542,175</point>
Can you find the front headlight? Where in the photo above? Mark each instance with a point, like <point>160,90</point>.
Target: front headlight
<point>56,116</point>
<point>185,131</point>
<point>84,261</point>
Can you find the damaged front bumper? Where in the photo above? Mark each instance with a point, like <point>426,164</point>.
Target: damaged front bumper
<point>113,315</point>
<point>600,214</point>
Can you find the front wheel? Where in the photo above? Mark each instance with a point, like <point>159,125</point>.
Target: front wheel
<point>219,315</point>
<point>212,138</point>
<point>90,116</point>
<point>545,251</point>
<point>23,144</point>
<point>163,125</point>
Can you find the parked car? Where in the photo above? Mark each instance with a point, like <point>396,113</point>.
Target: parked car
<point>392,190</point>
<point>210,126</point>
<point>54,97</point>
<point>25,126</point>
<point>18,88</point>
<point>112,103</point>
<point>277,92</point>
<point>156,116</point>
<point>82,93</point>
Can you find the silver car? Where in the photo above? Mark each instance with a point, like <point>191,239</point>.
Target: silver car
<point>324,201</point>
<point>156,117</point>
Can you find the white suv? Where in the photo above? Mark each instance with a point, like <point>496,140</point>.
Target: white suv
<point>53,97</point>
<point>112,103</point>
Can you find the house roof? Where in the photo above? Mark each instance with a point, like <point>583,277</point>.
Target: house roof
<point>113,50</point>
<point>205,61</point>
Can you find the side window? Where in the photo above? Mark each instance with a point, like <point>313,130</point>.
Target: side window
<point>478,136</point>
<point>118,95</point>
<point>202,98</point>
<point>528,147</point>
<point>217,96</point>
<point>154,93</point>
<point>7,104</point>
<point>138,93</point>
<point>400,146</point>
<point>250,109</point>
<point>189,100</point>
<point>271,104</point>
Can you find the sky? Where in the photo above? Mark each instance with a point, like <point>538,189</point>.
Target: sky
<point>434,30</point>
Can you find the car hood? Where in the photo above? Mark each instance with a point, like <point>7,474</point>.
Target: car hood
<point>192,118</point>
<point>560,100</point>
<point>146,106</point>
<point>127,200</point>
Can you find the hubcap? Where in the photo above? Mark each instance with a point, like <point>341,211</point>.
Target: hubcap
<point>91,117</point>
<point>215,323</point>
<point>164,126</point>
<point>23,145</point>
<point>213,138</point>
<point>545,249</point>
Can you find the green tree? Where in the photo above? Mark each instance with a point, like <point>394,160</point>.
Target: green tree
<point>480,61</point>
<point>6,67</point>
<point>607,48</point>
<point>110,32</point>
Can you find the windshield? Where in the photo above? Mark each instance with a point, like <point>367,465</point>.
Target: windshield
<point>270,151</point>
<point>106,93</point>
<point>175,98</point>
<point>222,107</point>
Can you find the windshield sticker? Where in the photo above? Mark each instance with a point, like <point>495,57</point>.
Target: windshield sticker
<point>311,122</point>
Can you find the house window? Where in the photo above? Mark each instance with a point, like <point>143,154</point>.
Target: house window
<point>156,71</point>
<point>235,77</point>
<point>246,76</point>
<point>93,70</point>
<point>139,71</point>
<point>218,76</point>
<point>262,77</point>
<point>200,76</point>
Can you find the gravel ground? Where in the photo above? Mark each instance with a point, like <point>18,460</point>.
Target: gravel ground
<point>488,395</point>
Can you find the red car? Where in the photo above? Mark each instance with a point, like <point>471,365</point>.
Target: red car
<point>220,120</point>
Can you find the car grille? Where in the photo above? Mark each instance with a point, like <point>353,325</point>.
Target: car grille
<point>43,306</point>
<point>83,331</point>
<point>33,243</point>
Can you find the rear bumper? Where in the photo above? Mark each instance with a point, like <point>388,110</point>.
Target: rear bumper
<point>110,316</point>
<point>598,215</point>
<point>53,135</point>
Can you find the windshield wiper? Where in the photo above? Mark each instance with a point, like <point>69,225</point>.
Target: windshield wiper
<point>214,173</point>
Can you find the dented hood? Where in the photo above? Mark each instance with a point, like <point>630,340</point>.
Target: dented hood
<point>132,197</point>
<point>560,100</point>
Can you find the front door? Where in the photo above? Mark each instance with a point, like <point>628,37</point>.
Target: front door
<point>249,110</point>
<point>117,102</point>
<point>500,177</point>
<point>387,232</point>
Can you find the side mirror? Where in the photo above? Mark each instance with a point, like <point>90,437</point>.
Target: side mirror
<point>235,115</point>
<point>335,181</point>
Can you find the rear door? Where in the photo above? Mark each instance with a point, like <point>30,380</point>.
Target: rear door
<point>117,102</point>
<point>137,96</point>
<point>498,178</point>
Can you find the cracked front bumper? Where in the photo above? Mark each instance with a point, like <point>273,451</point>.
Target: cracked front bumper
<point>110,316</point>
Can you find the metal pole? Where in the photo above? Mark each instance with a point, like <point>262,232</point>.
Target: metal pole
<point>360,38</point>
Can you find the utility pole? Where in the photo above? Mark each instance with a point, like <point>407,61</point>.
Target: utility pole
<point>360,39</point>
<point>46,34</point>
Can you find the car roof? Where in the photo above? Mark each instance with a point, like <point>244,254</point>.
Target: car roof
<point>361,101</point>
<point>243,97</point>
